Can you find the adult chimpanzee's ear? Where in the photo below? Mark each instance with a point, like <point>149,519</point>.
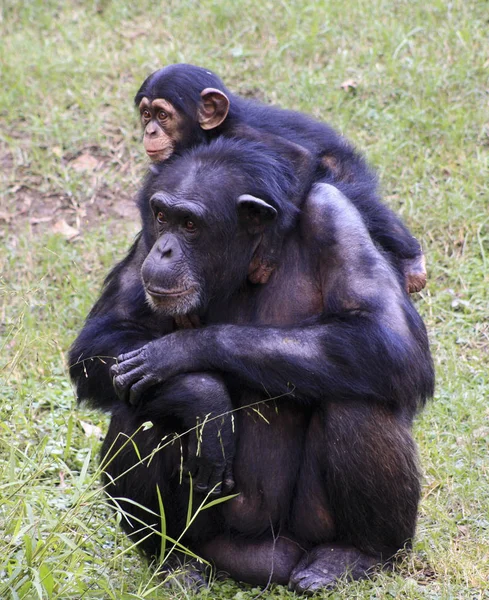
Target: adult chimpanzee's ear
<point>213,108</point>
<point>254,213</point>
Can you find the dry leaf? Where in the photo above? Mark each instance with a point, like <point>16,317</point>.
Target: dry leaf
<point>85,162</point>
<point>65,230</point>
<point>91,430</point>
<point>37,220</point>
<point>349,84</point>
<point>132,35</point>
<point>481,432</point>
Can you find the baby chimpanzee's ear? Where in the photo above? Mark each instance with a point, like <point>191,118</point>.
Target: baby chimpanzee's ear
<point>213,108</point>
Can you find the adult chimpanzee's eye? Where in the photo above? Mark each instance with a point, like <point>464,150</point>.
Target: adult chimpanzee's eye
<point>162,115</point>
<point>190,226</point>
<point>161,217</point>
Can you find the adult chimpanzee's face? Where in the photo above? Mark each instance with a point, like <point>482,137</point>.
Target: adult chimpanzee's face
<point>203,247</point>
<point>172,278</point>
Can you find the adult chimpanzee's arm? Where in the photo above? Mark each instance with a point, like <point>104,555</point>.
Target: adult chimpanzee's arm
<point>368,344</point>
<point>120,321</point>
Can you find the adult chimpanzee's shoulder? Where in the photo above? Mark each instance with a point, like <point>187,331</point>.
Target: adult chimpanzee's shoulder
<point>328,214</point>
<point>355,274</point>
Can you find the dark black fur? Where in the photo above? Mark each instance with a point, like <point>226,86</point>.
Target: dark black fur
<point>326,473</point>
<point>336,161</point>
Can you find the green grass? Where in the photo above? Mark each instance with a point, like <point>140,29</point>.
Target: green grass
<point>420,111</point>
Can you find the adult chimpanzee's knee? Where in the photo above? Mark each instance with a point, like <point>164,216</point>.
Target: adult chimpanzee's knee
<point>201,404</point>
<point>371,477</point>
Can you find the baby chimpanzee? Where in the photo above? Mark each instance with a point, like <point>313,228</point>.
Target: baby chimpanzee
<point>182,106</point>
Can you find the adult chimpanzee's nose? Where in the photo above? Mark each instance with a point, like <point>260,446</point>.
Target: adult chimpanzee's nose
<point>163,263</point>
<point>168,248</point>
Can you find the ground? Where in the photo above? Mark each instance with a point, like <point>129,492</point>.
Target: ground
<point>25,202</point>
<point>407,82</point>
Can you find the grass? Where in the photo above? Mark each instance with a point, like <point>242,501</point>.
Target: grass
<point>420,111</point>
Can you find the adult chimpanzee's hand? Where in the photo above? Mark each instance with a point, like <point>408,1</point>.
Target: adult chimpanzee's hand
<point>211,447</point>
<point>135,372</point>
<point>200,400</point>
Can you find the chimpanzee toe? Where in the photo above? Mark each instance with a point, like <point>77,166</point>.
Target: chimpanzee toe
<point>311,580</point>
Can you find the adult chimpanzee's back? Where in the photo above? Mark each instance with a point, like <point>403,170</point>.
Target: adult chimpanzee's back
<point>302,391</point>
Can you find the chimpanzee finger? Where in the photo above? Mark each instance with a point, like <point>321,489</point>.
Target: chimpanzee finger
<point>117,382</point>
<point>214,486</point>
<point>123,383</point>
<point>128,355</point>
<point>208,480</point>
<point>115,371</point>
<point>126,366</point>
<point>139,388</point>
<point>117,368</point>
<point>228,479</point>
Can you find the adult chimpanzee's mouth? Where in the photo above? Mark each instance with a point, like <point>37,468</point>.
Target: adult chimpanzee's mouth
<point>160,293</point>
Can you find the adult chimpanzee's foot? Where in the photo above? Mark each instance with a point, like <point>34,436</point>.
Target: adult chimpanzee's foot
<point>184,572</point>
<point>322,567</point>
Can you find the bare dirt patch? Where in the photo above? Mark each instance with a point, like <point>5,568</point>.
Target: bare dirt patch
<point>28,198</point>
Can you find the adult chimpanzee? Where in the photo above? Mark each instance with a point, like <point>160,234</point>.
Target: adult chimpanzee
<point>182,106</point>
<point>324,366</point>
